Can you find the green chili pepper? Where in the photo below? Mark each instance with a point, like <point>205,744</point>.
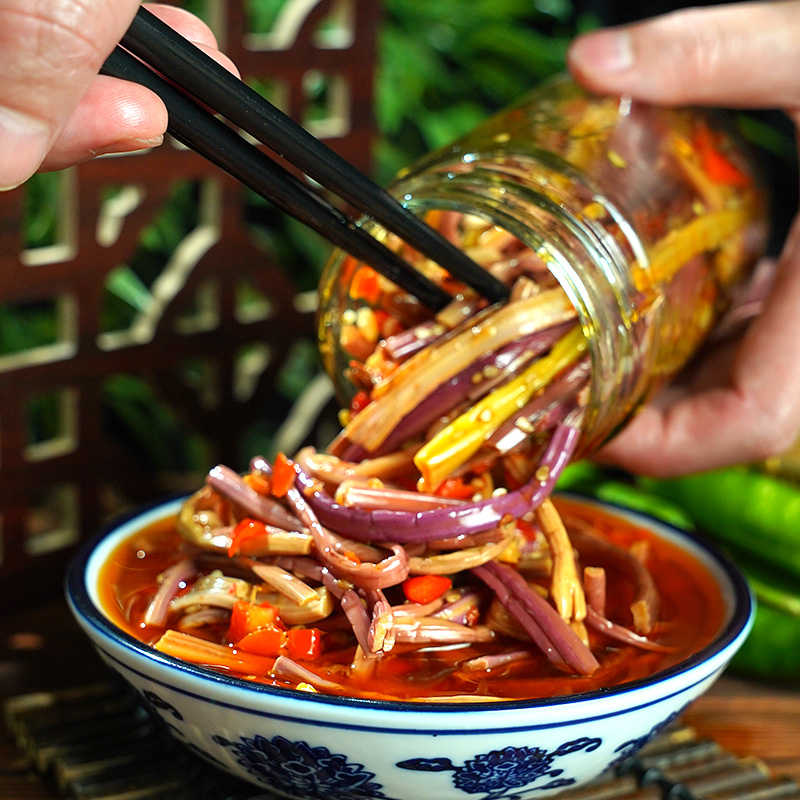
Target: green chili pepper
<point>771,585</point>
<point>581,477</point>
<point>629,496</point>
<point>592,481</point>
<point>772,649</point>
<point>754,513</point>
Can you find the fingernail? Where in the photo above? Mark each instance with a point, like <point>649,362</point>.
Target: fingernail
<point>23,143</point>
<point>127,146</point>
<point>604,51</point>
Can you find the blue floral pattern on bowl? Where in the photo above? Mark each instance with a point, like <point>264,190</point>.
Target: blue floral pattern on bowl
<point>300,770</point>
<point>157,703</point>
<point>628,750</point>
<point>297,768</point>
<point>499,772</point>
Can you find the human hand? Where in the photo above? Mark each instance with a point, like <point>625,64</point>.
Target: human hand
<point>55,110</point>
<point>740,402</point>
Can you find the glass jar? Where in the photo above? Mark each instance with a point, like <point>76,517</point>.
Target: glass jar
<point>648,218</point>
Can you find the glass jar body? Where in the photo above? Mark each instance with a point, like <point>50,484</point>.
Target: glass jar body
<point>649,220</point>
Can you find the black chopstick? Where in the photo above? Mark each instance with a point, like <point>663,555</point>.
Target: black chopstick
<point>199,130</point>
<point>188,67</point>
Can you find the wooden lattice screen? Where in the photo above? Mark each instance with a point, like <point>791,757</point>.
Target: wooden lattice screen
<point>220,319</point>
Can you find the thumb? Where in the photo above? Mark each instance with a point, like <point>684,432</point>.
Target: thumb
<point>50,51</point>
<point>744,54</point>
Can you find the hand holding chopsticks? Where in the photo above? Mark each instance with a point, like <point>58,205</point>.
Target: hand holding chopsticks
<point>192,83</point>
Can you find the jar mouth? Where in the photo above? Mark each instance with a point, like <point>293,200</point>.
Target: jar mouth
<point>646,218</point>
<point>588,263</point>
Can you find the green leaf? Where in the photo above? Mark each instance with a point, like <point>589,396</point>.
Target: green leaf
<point>125,284</point>
<point>524,48</point>
<point>763,135</point>
<point>442,127</point>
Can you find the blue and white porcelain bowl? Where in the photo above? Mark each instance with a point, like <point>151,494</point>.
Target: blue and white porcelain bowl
<point>311,746</point>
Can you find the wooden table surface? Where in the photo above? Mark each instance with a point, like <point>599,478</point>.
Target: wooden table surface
<point>43,649</point>
<point>752,718</point>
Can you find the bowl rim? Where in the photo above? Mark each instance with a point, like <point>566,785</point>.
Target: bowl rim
<point>739,624</point>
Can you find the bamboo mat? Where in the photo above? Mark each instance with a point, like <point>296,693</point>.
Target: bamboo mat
<point>97,742</point>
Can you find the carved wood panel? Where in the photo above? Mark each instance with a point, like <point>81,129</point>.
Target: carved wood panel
<point>90,345</point>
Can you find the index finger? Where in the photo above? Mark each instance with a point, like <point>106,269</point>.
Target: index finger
<point>49,54</point>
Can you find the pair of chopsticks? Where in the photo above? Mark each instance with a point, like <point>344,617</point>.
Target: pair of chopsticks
<point>199,94</point>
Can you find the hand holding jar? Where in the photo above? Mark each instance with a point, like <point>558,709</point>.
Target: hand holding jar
<point>741,401</point>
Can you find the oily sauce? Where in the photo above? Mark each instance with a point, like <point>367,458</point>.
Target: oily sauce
<point>691,613</point>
